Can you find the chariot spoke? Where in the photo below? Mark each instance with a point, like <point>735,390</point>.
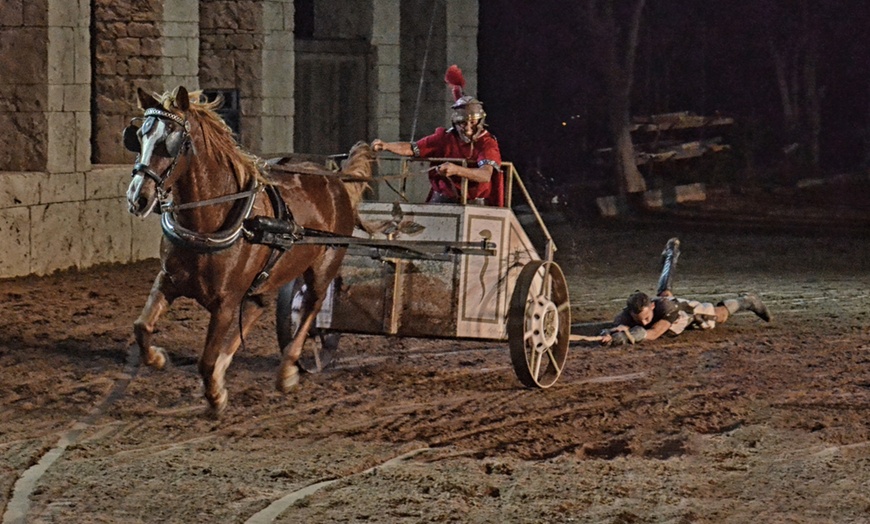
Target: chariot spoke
<point>554,361</point>
<point>535,288</point>
<point>538,359</point>
<point>546,284</point>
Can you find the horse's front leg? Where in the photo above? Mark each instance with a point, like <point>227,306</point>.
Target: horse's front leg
<point>159,299</point>
<point>219,348</point>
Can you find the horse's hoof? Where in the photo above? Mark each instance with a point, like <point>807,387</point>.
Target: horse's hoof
<point>219,404</point>
<point>156,357</point>
<point>288,380</point>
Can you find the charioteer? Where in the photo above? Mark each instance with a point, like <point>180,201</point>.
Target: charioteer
<point>468,139</point>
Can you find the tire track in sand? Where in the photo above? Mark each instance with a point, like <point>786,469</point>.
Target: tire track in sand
<point>19,504</point>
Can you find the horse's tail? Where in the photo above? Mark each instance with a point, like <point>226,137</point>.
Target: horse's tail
<point>357,172</point>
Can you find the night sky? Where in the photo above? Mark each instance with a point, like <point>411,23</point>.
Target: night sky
<point>537,70</point>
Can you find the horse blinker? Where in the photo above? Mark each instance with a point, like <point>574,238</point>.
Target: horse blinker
<point>131,139</point>
<point>174,142</point>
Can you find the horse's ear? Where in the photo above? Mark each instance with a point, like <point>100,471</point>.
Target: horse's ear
<point>182,98</point>
<point>146,101</point>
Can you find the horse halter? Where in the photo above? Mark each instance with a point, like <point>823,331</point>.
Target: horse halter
<point>172,145</point>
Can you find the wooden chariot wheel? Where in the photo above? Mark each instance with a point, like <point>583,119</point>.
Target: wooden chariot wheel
<point>321,346</point>
<point>539,324</point>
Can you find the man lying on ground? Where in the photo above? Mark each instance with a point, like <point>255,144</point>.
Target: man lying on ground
<point>645,318</point>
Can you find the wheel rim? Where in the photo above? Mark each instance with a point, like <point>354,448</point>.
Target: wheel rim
<point>539,324</point>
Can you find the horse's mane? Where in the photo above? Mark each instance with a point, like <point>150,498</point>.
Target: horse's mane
<point>357,170</point>
<point>218,138</point>
<point>219,141</point>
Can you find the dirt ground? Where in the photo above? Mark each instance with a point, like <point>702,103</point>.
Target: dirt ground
<point>750,422</point>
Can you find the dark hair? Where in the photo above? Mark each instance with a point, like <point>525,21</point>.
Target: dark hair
<point>637,301</point>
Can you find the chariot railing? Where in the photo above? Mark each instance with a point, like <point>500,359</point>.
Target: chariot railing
<point>402,175</point>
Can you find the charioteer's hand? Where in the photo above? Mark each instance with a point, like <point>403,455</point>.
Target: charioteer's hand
<point>448,169</point>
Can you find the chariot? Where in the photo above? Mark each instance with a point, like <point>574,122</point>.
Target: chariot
<point>463,271</point>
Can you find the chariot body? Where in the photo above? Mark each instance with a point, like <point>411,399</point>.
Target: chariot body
<point>464,271</point>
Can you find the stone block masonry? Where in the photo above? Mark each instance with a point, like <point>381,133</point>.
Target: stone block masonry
<point>69,70</point>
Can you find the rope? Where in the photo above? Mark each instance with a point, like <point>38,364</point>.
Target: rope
<point>401,193</point>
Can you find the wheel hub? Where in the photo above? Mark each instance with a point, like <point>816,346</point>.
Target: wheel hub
<point>543,324</point>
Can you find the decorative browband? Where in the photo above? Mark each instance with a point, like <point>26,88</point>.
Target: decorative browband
<point>153,111</point>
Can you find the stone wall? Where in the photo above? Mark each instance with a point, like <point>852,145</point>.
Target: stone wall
<point>23,85</point>
<point>231,45</point>
<point>127,55</point>
<point>138,44</point>
<point>334,21</point>
<point>248,45</point>
<point>56,209</point>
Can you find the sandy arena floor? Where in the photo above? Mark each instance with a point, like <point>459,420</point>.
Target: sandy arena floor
<point>750,422</point>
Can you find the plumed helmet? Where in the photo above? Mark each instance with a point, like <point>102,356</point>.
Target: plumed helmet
<point>467,110</point>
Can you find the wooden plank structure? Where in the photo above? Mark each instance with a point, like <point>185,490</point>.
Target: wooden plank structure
<point>662,138</point>
<point>655,137</point>
<point>674,121</point>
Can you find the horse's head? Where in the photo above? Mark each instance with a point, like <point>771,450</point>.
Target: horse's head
<point>161,143</point>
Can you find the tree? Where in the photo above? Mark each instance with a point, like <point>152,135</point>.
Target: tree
<point>793,42</point>
<point>614,26</point>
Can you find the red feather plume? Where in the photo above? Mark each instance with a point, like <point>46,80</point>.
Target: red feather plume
<point>456,81</point>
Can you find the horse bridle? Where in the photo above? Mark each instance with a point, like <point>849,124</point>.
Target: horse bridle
<point>176,144</point>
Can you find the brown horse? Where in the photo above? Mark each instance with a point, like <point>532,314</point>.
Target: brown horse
<point>189,164</point>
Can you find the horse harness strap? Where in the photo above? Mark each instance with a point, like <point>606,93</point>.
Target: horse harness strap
<point>182,145</point>
<point>218,240</point>
<point>296,169</point>
<point>282,215</point>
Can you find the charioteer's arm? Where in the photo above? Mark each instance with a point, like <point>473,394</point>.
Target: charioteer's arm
<point>398,148</point>
<point>475,174</point>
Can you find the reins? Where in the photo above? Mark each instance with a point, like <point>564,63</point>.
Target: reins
<point>170,207</point>
<point>402,192</point>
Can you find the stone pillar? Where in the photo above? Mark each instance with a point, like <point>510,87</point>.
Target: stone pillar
<point>69,86</point>
<point>462,27</point>
<point>180,44</point>
<point>424,56</point>
<point>277,102</point>
<point>387,84</point>
<point>55,235</point>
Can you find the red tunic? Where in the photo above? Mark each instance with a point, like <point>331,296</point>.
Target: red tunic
<point>447,144</point>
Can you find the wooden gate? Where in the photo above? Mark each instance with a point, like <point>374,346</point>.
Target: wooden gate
<point>331,95</point>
